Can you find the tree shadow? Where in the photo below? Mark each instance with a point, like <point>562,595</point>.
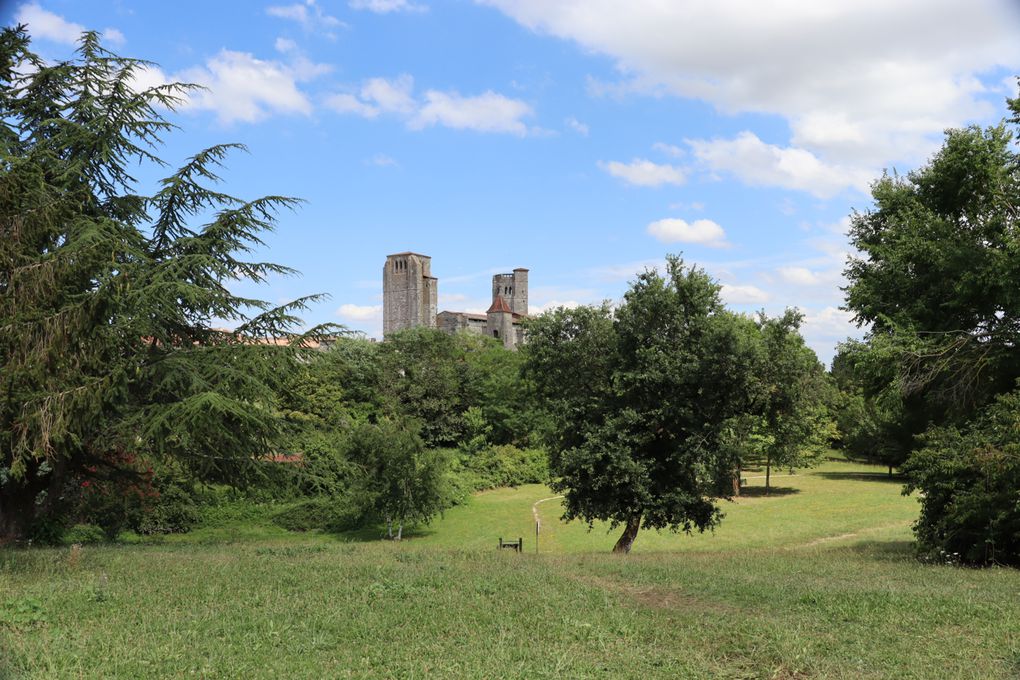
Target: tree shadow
<point>759,491</point>
<point>374,533</point>
<point>886,551</point>
<point>863,476</point>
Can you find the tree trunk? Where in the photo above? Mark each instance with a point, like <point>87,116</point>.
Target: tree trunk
<point>19,506</point>
<point>400,531</point>
<point>736,482</point>
<point>768,472</point>
<point>629,534</point>
<point>389,528</point>
<point>890,469</point>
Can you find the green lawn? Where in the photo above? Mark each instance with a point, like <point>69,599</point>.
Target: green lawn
<point>815,581</point>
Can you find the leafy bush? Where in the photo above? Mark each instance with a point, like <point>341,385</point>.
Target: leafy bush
<point>497,466</point>
<point>969,481</point>
<point>323,513</point>
<point>174,511</point>
<point>84,533</point>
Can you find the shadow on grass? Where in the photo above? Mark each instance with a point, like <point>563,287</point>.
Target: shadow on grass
<point>886,551</point>
<point>373,533</point>
<point>863,476</point>
<point>759,491</point>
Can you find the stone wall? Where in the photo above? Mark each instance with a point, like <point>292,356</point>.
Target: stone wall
<point>410,292</point>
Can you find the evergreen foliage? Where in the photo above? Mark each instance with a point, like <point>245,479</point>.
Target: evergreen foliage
<point>110,300</point>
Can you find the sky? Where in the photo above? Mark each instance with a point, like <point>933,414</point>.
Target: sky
<point>582,139</point>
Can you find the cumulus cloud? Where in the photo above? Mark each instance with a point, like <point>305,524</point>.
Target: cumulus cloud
<point>704,232</point>
<point>285,45</point>
<point>552,304</point>
<point>308,15</point>
<point>577,126</point>
<point>824,328</point>
<point>383,161</point>
<point>360,312</point>
<point>645,173</point>
<point>387,6</point>
<point>743,295</point>
<point>861,84</point>
<point>390,95</point>
<point>487,112</point>
<point>241,87</point>
<point>348,103</point>
<point>669,149</point>
<point>47,25</point>
<point>760,164</point>
<point>801,276</point>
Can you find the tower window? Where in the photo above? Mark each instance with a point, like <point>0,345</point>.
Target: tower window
<point>495,332</point>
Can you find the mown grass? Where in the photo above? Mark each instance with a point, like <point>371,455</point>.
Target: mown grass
<point>817,583</point>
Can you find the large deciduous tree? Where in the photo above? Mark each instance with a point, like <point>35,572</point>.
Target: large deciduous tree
<point>938,279</point>
<point>641,396</point>
<point>110,299</point>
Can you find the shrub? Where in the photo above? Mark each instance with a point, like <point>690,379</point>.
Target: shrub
<point>174,511</point>
<point>498,466</point>
<point>969,481</point>
<point>84,533</point>
<point>323,513</point>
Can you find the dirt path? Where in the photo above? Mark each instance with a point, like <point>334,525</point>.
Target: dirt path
<point>534,507</point>
<point>853,534</point>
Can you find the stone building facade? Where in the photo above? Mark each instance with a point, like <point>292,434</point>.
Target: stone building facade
<point>410,293</point>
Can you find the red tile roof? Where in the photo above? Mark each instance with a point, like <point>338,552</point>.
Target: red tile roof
<point>499,305</point>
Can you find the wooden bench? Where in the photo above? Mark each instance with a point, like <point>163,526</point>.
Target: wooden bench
<point>517,545</point>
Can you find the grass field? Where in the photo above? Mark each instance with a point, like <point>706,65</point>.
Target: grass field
<point>816,580</point>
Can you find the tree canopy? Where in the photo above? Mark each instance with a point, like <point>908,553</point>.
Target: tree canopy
<point>641,396</point>
<point>112,302</point>
<point>938,279</point>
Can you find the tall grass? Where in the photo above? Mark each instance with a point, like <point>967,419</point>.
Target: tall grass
<point>817,582</point>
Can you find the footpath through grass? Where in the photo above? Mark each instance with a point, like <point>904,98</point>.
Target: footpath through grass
<point>815,582</point>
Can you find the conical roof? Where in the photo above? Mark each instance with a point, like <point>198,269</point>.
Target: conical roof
<point>499,305</point>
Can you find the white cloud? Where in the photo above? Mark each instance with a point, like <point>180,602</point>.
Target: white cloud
<point>535,310</point>
<point>308,15</point>
<point>390,95</point>
<point>487,112</point>
<point>644,173</point>
<point>285,45</point>
<point>240,87</point>
<point>348,103</point>
<point>147,76</point>
<point>862,83</point>
<point>47,25</point>
<point>386,6</point>
<point>743,295</point>
<point>669,149</point>
<point>577,126</point>
<point>382,160</point>
<point>360,312</point>
<point>705,232</point>
<point>825,327</point>
<point>113,36</point>
<point>800,276</point>
<point>760,164</point>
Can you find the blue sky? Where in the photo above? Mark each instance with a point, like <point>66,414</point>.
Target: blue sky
<point>583,139</point>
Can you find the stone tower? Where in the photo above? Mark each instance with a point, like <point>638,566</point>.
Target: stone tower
<point>410,292</point>
<point>499,321</point>
<point>512,289</point>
